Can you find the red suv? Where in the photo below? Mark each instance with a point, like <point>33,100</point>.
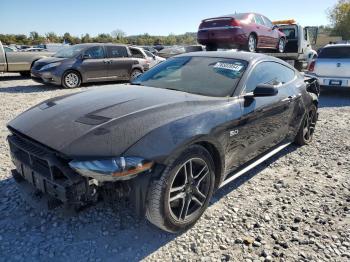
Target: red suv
<point>247,31</point>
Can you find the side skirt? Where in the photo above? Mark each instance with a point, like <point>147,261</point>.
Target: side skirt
<point>241,172</point>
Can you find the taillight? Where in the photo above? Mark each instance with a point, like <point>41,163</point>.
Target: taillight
<point>235,22</point>
<point>312,66</point>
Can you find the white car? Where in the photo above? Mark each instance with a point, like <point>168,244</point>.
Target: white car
<point>153,59</point>
<point>332,67</point>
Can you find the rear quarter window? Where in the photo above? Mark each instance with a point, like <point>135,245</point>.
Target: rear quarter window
<point>338,52</point>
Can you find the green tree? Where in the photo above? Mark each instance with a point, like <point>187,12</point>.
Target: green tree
<point>52,37</point>
<point>339,15</point>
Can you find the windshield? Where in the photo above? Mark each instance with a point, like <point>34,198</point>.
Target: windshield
<point>207,76</point>
<point>337,52</point>
<point>69,52</point>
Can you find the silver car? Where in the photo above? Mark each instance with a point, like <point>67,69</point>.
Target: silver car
<point>332,67</point>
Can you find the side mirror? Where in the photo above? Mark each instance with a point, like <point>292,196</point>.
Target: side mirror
<point>154,57</point>
<point>274,27</point>
<point>265,90</point>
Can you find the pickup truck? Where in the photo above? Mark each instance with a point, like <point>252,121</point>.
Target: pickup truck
<point>298,49</point>
<point>19,62</point>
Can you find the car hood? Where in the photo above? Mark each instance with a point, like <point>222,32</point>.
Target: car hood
<point>106,121</point>
<point>49,60</point>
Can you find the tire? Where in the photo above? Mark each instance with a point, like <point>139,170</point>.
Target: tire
<point>298,65</point>
<point>25,73</point>
<point>211,47</point>
<point>71,79</point>
<point>179,210</point>
<point>307,128</point>
<point>281,45</point>
<point>134,74</point>
<point>251,43</point>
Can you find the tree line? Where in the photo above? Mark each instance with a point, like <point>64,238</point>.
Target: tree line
<point>117,36</point>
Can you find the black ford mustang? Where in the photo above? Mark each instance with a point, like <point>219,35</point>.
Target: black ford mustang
<point>168,141</point>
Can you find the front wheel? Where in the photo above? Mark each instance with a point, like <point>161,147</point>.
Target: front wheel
<point>179,198</point>
<point>25,73</point>
<point>281,45</point>
<point>71,79</point>
<point>307,128</point>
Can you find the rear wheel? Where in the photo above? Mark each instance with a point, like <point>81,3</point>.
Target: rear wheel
<point>134,74</point>
<point>71,79</point>
<point>252,43</point>
<point>179,198</point>
<point>307,127</point>
<point>211,47</point>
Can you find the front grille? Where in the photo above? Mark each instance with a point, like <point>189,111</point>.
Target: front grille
<point>45,169</point>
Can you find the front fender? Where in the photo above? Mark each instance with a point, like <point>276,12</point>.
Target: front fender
<point>170,140</point>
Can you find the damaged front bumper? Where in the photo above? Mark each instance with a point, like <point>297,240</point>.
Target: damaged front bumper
<point>45,179</point>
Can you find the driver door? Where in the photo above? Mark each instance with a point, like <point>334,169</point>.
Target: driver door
<point>265,120</point>
<point>94,64</point>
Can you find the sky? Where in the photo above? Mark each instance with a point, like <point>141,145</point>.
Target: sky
<point>156,17</point>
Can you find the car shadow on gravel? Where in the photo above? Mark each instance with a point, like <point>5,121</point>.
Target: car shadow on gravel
<point>106,232</point>
<point>100,233</point>
<point>334,97</point>
<point>27,89</point>
<point>13,77</point>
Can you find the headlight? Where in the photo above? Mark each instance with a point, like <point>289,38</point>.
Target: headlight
<point>50,65</point>
<point>120,168</point>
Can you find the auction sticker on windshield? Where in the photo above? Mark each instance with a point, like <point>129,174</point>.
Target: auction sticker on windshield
<point>234,67</point>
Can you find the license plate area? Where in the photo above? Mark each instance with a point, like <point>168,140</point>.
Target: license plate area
<point>333,82</point>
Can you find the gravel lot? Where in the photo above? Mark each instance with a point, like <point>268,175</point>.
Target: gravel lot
<point>295,207</point>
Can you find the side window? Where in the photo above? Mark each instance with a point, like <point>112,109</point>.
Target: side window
<point>269,73</point>
<point>268,23</point>
<point>136,53</point>
<point>149,54</point>
<point>116,51</point>
<point>259,20</point>
<point>95,52</point>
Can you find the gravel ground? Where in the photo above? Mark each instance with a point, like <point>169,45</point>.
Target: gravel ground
<point>294,207</point>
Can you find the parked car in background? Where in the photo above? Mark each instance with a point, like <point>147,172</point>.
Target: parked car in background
<point>35,49</point>
<point>84,63</point>
<point>140,54</point>
<point>19,62</point>
<point>153,59</point>
<point>179,132</point>
<point>249,31</point>
<point>53,47</point>
<point>332,66</point>
<point>150,49</point>
<point>9,48</point>
<point>177,50</point>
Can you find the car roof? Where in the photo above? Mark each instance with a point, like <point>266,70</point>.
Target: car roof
<point>250,57</point>
<point>95,44</point>
<point>337,45</point>
<point>242,55</point>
